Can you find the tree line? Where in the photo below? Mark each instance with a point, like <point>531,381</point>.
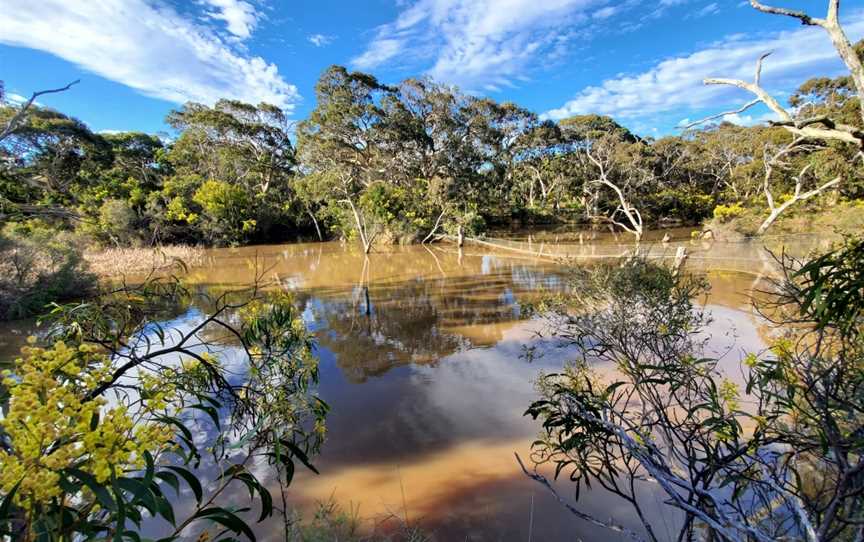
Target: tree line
<point>408,162</point>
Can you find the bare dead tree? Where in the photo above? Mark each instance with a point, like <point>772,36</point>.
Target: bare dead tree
<point>831,24</point>
<point>819,127</point>
<point>16,120</point>
<point>632,215</point>
<point>771,163</point>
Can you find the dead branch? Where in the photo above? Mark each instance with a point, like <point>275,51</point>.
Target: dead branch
<point>774,210</point>
<point>830,131</point>
<point>542,480</point>
<point>16,119</point>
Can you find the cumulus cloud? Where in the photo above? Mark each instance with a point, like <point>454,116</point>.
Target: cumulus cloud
<point>481,43</point>
<point>149,47</point>
<point>675,84</point>
<point>240,17</point>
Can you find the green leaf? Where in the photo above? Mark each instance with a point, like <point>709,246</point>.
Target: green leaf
<point>299,454</point>
<point>227,519</point>
<point>211,411</point>
<point>6,508</point>
<point>190,479</point>
<point>100,490</point>
<point>170,479</point>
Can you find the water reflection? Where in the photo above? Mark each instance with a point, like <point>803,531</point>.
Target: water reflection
<point>420,351</point>
<point>420,361</point>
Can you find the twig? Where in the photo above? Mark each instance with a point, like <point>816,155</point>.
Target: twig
<point>12,125</point>
<point>542,480</point>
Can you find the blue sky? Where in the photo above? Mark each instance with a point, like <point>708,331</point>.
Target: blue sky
<point>640,61</point>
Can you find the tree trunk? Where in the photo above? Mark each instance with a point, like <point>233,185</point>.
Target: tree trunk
<point>775,214</point>
<point>315,222</point>
<point>361,229</point>
<point>434,228</point>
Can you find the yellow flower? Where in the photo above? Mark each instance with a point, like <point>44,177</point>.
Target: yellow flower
<point>51,424</point>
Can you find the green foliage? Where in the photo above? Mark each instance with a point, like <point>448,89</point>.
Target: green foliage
<point>97,466</point>
<point>682,204</point>
<point>831,288</point>
<point>403,160</point>
<point>777,447</point>
<point>224,209</point>
<point>39,266</point>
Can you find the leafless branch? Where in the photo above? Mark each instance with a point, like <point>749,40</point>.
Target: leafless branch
<point>16,120</point>
<point>542,480</point>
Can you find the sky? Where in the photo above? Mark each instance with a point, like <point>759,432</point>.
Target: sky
<point>639,61</point>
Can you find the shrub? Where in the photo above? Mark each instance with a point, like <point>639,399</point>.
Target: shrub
<point>224,210</point>
<point>116,225</point>
<point>776,458</point>
<point>39,267</point>
<point>96,433</point>
<point>725,213</point>
<point>681,203</point>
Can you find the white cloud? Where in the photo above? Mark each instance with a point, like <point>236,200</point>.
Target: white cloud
<point>239,16</point>
<point>710,9</point>
<point>675,84</point>
<point>482,43</point>
<point>14,98</point>
<point>605,13</point>
<point>379,52</point>
<point>749,120</point>
<point>320,40</point>
<point>148,47</point>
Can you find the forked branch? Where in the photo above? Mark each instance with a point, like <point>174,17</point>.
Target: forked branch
<point>18,118</point>
<point>828,130</point>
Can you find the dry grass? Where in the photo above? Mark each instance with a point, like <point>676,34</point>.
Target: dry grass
<point>115,262</point>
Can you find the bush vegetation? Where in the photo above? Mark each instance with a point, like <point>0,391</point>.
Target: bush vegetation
<point>38,267</point>
<point>232,174</point>
<point>775,456</point>
<point>112,413</point>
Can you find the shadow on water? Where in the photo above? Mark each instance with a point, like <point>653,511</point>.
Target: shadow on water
<point>421,363</point>
<point>420,351</point>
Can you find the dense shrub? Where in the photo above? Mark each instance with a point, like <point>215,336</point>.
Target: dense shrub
<point>37,267</point>
<point>725,213</point>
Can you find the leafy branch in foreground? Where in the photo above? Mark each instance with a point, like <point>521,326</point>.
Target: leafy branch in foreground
<point>121,410</point>
<point>645,409</point>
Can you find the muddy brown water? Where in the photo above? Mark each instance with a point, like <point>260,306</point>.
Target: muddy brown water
<point>421,363</point>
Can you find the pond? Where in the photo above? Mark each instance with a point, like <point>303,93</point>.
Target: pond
<point>422,364</point>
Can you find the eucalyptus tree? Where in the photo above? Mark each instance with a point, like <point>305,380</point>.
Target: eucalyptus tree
<point>237,164</point>
<point>461,145</point>
<point>805,129</point>
<point>578,134</point>
<point>342,142</point>
<point>47,159</point>
<point>235,141</point>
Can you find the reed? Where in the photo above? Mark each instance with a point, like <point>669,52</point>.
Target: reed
<point>114,262</point>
